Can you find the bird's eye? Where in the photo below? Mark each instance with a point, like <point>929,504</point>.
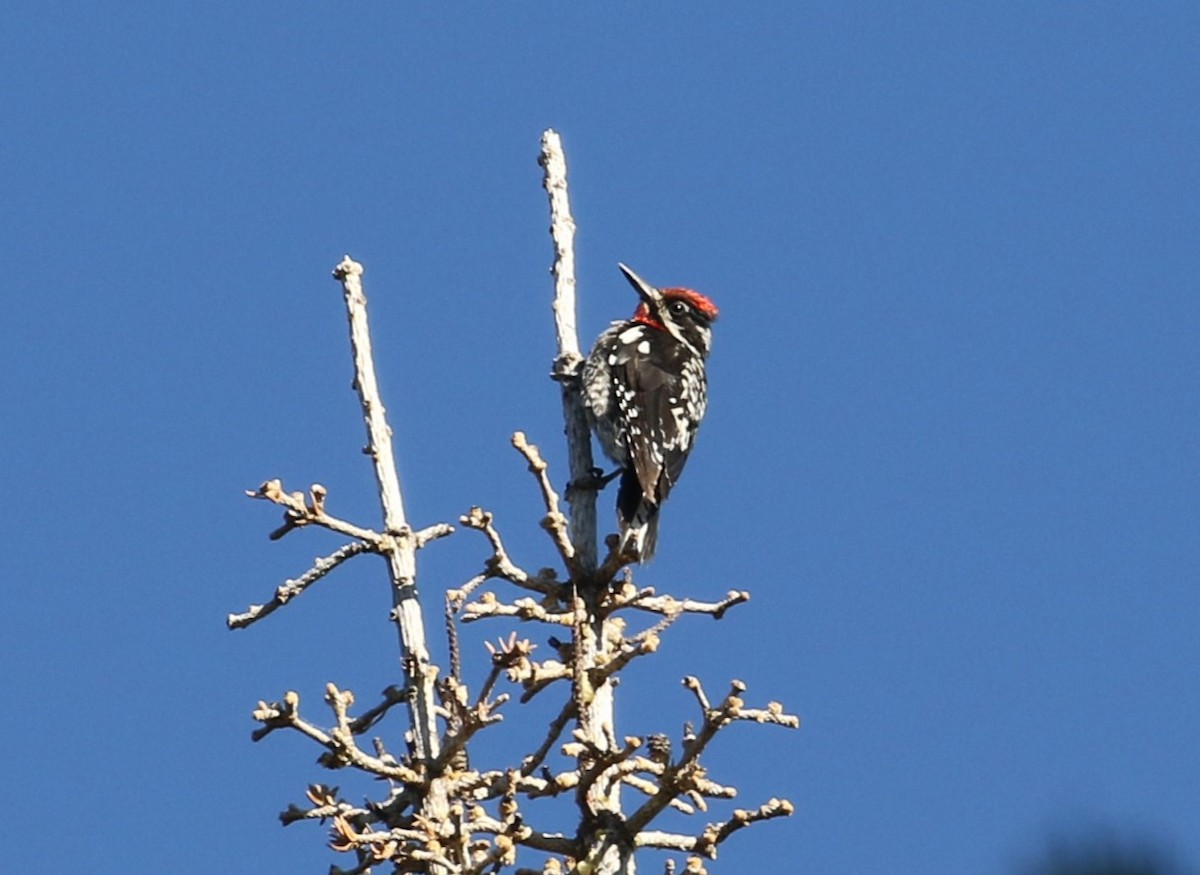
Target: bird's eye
<point>678,307</point>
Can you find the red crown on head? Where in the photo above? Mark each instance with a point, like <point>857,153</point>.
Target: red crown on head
<point>701,302</point>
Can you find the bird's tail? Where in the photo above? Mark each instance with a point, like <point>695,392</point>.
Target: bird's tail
<point>638,517</point>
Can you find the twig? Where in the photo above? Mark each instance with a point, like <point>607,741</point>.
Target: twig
<point>493,675</point>
<point>289,589</point>
<point>624,656</point>
<point>591,773</point>
<point>523,609</point>
<point>300,512</point>
<point>669,605</point>
<point>615,559</point>
<point>432,533</point>
<point>452,638</point>
<point>512,656</point>
<point>472,721</point>
<point>455,598</point>
<point>698,786</point>
<point>732,708</point>
<point>414,844</point>
<point>500,564</point>
<point>656,630</point>
<point>687,773</point>
<point>540,675</point>
<point>706,843</point>
<point>392,696</point>
<point>345,749</point>
<point>325,804</point>
<point>555,522</point>
<point>649,788</point>
<point>531,762</point>
<point>339,742</point>
<point>742,817</point>
<point>523,835</point>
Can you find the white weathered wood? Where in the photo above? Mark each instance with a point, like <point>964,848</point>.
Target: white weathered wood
<point>569,361</point>
<point>562,230</point>
<point>402,561</point>
<point>595,703</point>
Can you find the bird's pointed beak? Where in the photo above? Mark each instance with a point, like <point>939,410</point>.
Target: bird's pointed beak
<point>647,292</point>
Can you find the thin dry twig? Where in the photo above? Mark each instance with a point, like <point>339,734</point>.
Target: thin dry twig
<point>715,833</point>
<point>555,521</point>
<point>326,804</point>
<point>522,609</point>
<point>301,510</point>
<point>289,589</point>
<point>499,564</point>
<point>391,696</point>
<point>338,742</point>
<point>557,725</point>
<point>624,656</point>
<point>669,605</point>
<point>687,775</point>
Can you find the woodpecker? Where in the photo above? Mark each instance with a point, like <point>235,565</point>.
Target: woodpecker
<point>645,391</point>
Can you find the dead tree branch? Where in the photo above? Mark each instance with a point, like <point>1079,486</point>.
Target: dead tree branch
<point>341,748</point>
<point>669,605</point>
<point>715,833</point>
<point>499,564</point>
<point>402,562</point>
<point>555,522</point>
<point>684,776</point>
<point>300,510</point>
<point>569,361</point>
<point>289,589</point>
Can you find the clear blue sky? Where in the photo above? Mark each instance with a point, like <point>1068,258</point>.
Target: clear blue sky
<point>952,447</point>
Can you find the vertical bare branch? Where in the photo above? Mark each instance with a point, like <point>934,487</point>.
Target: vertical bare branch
<point>402,561</point>
<point>594,704</point>
<point>567,365</point>
<point>562,229</point>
